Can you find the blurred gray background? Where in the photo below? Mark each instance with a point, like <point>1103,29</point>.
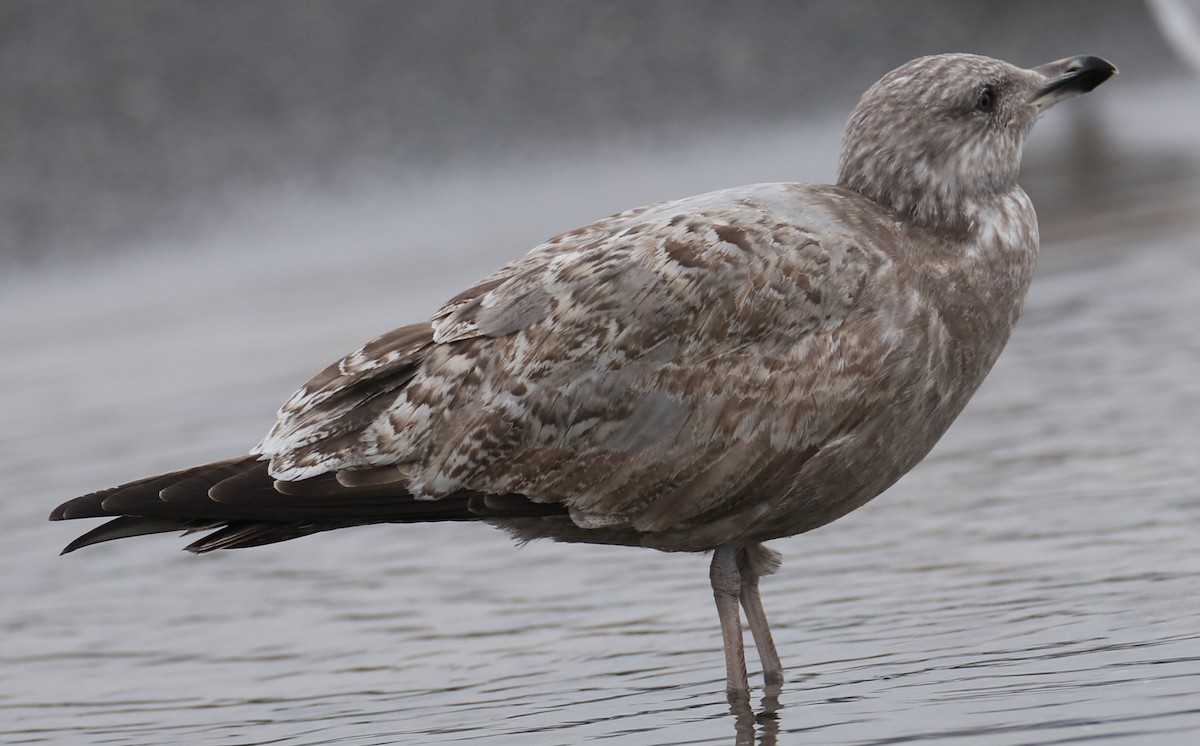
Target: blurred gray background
<point>125,120</point>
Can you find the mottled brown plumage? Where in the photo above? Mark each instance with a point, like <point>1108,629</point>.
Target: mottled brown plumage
<point>704,374</point>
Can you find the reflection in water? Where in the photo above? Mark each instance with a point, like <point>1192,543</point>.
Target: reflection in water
<point>761,727</point>
<point>1034,581</point>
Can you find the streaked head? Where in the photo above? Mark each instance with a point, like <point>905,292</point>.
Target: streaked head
<point>949,128</point>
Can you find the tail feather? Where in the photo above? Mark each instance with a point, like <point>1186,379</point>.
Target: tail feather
<point>240,535</point>
<point>240,499</point>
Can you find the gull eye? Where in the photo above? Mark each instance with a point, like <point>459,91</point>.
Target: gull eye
<point>986,103</point>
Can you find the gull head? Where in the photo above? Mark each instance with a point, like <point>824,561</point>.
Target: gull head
<point>941,133</point>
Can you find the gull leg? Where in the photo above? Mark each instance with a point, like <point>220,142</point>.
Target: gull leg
<point>757,619</point>
<point>751,561</point>
<point>727,588</point>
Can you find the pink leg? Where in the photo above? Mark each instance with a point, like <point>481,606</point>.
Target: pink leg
<point>754,561</point>
<point>727,589</point>
<point>759,627</point>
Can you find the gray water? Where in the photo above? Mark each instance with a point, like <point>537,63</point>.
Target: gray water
<point>1035,581</point>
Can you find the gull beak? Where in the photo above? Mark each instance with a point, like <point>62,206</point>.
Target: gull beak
<point>1070,77</point>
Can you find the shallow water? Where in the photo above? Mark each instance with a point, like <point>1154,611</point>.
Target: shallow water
<point>1036,580</point>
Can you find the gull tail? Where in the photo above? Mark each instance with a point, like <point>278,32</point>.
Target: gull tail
<point>246,507</point>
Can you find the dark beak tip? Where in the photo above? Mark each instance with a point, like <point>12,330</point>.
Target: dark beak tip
<point>1098,68</point>
<point>1079,74</point>
<point>1092,63</point>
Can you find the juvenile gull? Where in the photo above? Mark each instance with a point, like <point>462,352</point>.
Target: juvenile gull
<point>698,375</point>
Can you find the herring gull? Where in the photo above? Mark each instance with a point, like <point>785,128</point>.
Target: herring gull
<point>699,375</point>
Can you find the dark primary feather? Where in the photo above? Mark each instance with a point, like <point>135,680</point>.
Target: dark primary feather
<point>240,499</point>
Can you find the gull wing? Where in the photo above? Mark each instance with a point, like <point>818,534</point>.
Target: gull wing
<point>651,370</point>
